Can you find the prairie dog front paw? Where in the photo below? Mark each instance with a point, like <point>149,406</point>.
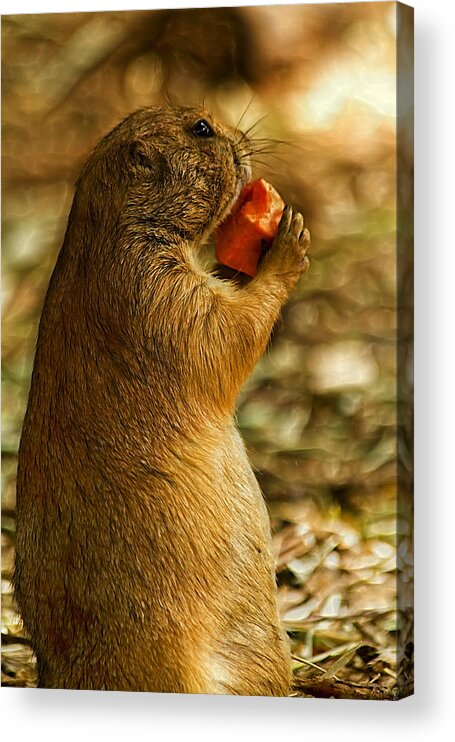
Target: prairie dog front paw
<point>287,257</point>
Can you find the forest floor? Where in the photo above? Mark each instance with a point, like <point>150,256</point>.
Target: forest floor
<point>337,585</point>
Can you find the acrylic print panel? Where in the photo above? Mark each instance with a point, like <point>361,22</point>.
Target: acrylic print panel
<point>143,552</point>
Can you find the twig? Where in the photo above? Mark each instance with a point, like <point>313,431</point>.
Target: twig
<point>335,688</point>
<point>303,661</point>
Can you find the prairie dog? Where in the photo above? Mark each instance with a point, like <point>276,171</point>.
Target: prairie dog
<point>143,542</point>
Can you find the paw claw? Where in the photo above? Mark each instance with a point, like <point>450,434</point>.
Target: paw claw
<point>285,221</point>
<point>305,238</point>
<point>297,225</point>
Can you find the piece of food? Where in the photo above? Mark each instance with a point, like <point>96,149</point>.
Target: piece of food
<point>249,230</point>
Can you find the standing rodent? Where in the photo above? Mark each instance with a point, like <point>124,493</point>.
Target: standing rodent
<point>143,542</point>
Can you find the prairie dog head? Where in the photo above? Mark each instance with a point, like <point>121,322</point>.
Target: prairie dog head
<point>168,173</point>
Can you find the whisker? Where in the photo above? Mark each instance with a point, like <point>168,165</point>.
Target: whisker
<point>264,163</point>
<point>264,151</point>
<point>275,142</point>
<point>248,106</point>
<point>253,126</point>
<point>166,93</point>
<point>282,160</point>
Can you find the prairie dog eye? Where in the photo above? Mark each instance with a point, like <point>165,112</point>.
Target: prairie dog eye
<point>202,129</point>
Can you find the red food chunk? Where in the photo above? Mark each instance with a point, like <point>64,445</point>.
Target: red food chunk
<point>250,228</point>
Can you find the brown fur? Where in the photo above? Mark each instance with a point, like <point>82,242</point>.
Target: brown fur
<point>143,543</point>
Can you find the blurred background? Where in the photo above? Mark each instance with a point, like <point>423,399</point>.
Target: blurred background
<point>319,414</point>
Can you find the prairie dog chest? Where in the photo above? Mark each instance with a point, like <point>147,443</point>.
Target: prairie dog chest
<point>247,502</point>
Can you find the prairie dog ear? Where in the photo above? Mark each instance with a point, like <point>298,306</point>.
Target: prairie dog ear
<point>142,154</point>
<point>146,159</point>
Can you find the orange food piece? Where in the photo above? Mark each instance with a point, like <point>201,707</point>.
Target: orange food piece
<point>250,228</point>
